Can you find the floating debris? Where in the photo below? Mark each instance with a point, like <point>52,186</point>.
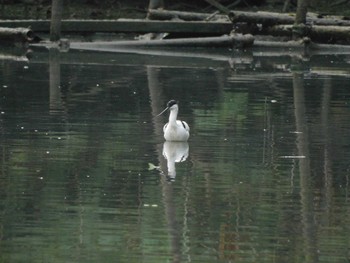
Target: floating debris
<point>150,205</point>
<point>293,156</point>
<point>151,167</point>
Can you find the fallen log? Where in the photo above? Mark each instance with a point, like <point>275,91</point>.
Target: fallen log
<point>157,14</point>
<point>230,41</point>
<point>261,17</point>
<point>271,18</point>
<point>4,56</point>
<point>317,33</point>
<point>332,33</point>
<point>303,44</point>
<point>265,18</point>
<point>21,35</point>
<point>164,57</point>
<point>127,26</point>
<point>282,25</point>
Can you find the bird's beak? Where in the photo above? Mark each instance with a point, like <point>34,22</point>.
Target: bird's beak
<point>163,111</point>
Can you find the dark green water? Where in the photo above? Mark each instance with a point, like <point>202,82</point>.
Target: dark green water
<point>83,176</point>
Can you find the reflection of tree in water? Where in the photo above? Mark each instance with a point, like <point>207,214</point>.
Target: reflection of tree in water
<point>156,96</point>
<point>306,189</point>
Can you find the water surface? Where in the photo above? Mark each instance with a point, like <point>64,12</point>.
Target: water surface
<point>263,178</point>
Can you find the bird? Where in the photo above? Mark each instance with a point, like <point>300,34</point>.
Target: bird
<point>175,130</point>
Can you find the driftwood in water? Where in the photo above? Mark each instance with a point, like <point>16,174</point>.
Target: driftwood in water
<point>270,23</point>
<point>222,41</point>
<point>235,16</point>
<point>317,29</point>
<point>157,14</point>
<point>13,57</point>
<point>271,18</point>
<point>315,32</point>
<point>267,18</point>
<point>237,40</point>
<point>264,18</point>
<point>127,26</point>
<point>16,34</point>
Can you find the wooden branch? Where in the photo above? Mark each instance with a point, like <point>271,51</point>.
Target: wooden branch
<point>278,30</point>
<point>5,56</point>
<point>193,57</point>
<point>330,32</point>
<point>280,44</point>
<point>16,34</point>
<point>315,32</point>
<point>265,18</point>
<point>223,41</point>
<point>157,14</point>
<point>328,21</point>
<point>127,25</point>
<point>271,18</point>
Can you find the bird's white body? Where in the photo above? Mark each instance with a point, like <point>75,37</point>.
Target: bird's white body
<point>176,130</point>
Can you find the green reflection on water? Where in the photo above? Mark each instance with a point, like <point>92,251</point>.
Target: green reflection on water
<point>75,148</point>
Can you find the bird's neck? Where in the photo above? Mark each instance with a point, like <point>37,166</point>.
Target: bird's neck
<point>173,116</point>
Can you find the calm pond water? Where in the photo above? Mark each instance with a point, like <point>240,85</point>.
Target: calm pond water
<point>85,174</point>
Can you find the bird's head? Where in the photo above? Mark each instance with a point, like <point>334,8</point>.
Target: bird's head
<point>171,105</point>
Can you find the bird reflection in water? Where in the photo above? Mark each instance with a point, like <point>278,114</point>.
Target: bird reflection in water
<point>174,152</point>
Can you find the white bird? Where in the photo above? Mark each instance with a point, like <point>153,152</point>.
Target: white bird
<point>175,130</point>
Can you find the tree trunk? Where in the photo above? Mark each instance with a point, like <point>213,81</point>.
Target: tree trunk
<point>56,17</point>
<point>300,17</point>
<point>155,4</point>
<point>286,6</point>
<point>219,6</point>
